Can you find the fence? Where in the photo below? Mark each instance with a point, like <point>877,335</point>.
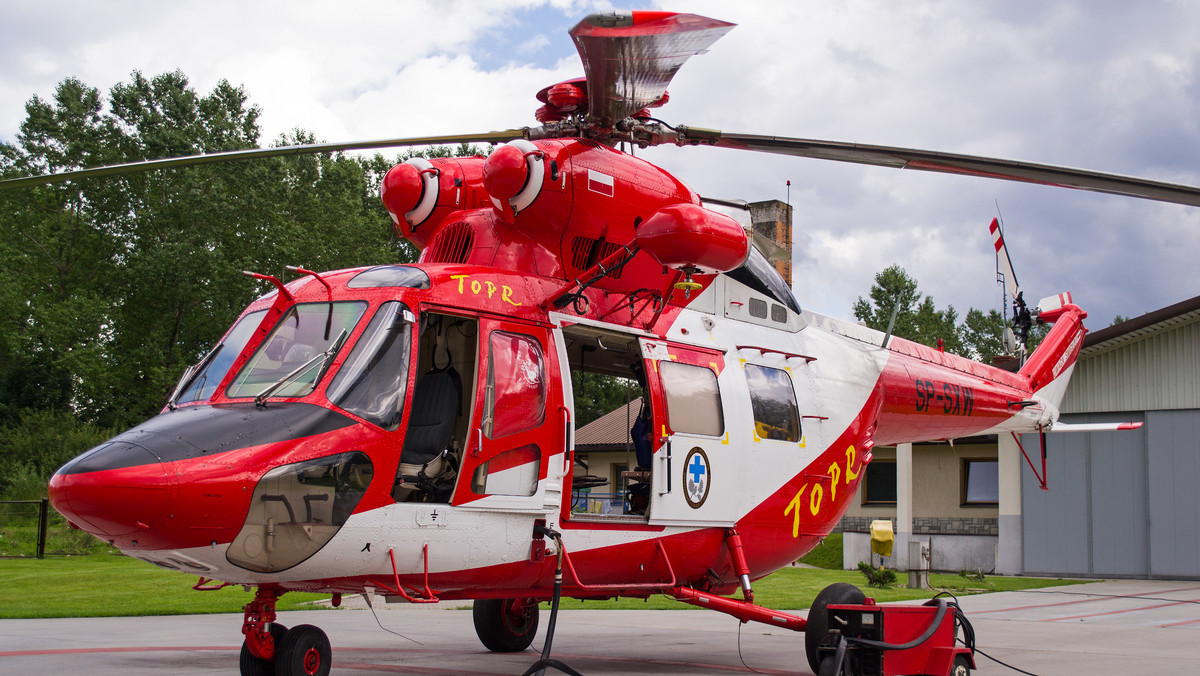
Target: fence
<point>43,519</point>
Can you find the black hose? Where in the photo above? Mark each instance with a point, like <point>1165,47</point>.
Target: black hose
<point>545,662</point>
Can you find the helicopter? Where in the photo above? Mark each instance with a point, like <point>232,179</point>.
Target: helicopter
<point>406,431</point>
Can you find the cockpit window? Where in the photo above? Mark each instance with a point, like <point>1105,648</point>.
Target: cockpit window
<point>201,382</point>
<point>390,275</point>
<point>372,380</point>
<point>758,274</point>
<point>288,362</point>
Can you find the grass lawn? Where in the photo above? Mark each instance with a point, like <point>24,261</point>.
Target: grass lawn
<point>99,585</point>
<point>102,585</point>
<point>795,588</point>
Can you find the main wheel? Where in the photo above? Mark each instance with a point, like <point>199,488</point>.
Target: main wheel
<point>818,620</point>
<point>304,651</point>
<point>249,665</point>
<point>505,625</point>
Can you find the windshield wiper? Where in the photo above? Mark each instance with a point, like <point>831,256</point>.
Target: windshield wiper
<point>189,375</point>
<point>323,359</point>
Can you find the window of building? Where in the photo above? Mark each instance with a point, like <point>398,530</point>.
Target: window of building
<point>880,483</point>
<point>776,415</point>
<point>693,400</point>
<point>980,482</point>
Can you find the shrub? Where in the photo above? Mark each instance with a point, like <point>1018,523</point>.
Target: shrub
<point>877,577</point>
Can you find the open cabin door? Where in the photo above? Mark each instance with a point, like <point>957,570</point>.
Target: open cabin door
<point>516,431</point>
<point>695,473</point>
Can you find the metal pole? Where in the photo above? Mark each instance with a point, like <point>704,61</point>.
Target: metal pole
<point>43,517</point>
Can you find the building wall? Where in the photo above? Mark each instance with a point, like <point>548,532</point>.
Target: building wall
<point>1119,504</point>
<point>1153,371</point>
<point>959,536</point>
<point>937,492</point>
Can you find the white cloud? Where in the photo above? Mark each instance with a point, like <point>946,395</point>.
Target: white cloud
<point>1113,86</point>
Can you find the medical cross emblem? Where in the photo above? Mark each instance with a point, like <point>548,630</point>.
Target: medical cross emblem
<point>696,478</point>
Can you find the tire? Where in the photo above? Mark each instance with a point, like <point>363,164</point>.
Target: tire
<point>505,625</point>
<point>961,667</point>
<point>304,651</point>
<point>249,665</point>
<point>827,668</point>
<point>818,621</point>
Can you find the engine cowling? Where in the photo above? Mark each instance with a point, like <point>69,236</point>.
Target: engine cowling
<point>690,237</point>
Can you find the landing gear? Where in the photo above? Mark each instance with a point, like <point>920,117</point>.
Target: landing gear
<point>505,625</point>
<point>303,651</point>
<point>255,666</point>
<point>271,649</point>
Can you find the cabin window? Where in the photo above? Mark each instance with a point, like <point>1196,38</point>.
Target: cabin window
<point>980,482</point>
<point>290,358</point>
<point>879,484</point>
<point>693,399</point>
<point>296,509</point>
<point>216,365</point>
<point>516,385</point>
<point>372,381</point>
<point>776,415</point>
<point>390,275</point>
<point>512,472</point>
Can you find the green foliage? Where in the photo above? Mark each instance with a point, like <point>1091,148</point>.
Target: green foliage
<point>877,577</point>
<point>597,394</point>
<point>107,585</point>
<point>109,287</point>
<point>827,555</point>
<point>39,442</point>
<point>918,319</point>
<point>795,588</point>
<point>973,575</point>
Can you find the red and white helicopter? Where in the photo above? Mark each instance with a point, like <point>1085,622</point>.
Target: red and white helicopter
<point>407,430</point>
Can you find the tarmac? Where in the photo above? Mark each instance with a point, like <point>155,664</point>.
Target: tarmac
<point>1098,628</point>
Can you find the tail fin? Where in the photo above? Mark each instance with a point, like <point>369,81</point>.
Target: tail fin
<point>1049,367</point>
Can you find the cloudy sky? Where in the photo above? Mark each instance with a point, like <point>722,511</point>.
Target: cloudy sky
<point>1108,85</point>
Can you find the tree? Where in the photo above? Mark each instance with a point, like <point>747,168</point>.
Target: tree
<point>110,286</point>
<point>916,318</point>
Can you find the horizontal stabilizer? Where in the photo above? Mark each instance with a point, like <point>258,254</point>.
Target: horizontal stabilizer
<point>1094,427</point>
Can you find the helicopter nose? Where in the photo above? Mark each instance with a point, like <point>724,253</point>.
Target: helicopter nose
<point>115,490</point>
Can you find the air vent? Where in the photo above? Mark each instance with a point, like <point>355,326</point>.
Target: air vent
<point>778,313</point>
<point>453,244</point>
<point>586,252</point>
<point>758,308</point>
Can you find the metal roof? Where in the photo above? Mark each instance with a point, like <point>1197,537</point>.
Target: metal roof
<point>1149,363</point>
<point>609,432</point>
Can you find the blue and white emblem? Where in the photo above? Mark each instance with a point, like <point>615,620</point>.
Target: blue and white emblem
<point>697,476</point>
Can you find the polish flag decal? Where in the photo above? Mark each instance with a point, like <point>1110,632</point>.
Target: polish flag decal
<point>601,183</point>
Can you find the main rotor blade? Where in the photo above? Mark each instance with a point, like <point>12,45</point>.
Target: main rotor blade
<point>951,163</point>
<point>255,153</point>
<point>630,57</point>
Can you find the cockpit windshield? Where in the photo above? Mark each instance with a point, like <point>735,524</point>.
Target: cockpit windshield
<point>301,335</point>
<point>200,382</point>
<point>372,380</point>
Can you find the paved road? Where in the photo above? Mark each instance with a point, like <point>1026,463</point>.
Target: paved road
<point>1122,627</point>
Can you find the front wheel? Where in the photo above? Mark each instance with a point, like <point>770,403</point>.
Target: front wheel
<point>304,651</point>
<point>961,666</point>
<point>505,625</point>
<point>249,665</point>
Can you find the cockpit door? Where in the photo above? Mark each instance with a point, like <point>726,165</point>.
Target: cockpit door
<point>695,474</point>
<point>516,424</point>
